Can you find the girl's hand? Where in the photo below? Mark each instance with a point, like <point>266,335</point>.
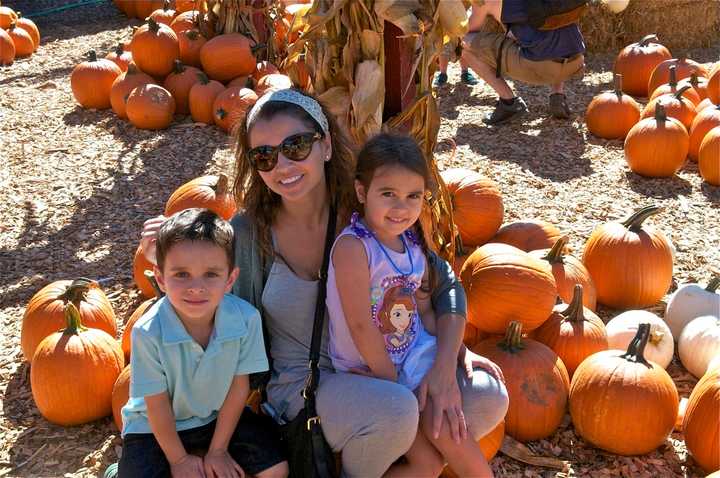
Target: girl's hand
<point>470,360</point>
<point>189,466</point>
<point>440,385</point>
<point>219,464</point>
<point>148,236</point>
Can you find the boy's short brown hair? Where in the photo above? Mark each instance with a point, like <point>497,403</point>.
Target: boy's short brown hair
<point>195,225</point>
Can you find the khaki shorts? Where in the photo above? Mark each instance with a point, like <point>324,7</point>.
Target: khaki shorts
<point>451,49</point>
<point>485,46</point>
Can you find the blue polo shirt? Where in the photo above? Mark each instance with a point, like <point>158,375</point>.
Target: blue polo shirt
<point>166,358</point>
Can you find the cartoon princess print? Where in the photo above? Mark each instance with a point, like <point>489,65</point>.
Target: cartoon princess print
<point>396,318</point>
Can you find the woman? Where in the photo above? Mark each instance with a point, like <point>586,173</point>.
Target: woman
<point>292,161</point>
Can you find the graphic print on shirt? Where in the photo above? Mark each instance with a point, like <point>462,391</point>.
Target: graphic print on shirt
<point>396,315</point>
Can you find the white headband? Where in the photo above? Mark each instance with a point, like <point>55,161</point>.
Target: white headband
<point>309,105</point>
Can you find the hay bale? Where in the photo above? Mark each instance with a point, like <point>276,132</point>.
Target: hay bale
<point>680,24</point>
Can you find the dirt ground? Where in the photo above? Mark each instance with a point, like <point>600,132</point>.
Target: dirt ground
<point>76,185</point>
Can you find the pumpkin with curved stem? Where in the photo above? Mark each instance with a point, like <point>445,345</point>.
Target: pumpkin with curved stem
<point>73,372</point>
<point>211,192</point>
<point>190,43</point>
<point>227,56</point>
<point>699,85</point>
<point>502,284</point>
<point>573,332</point>
<point>30,27</point>
<point>7,16</point>
<point>22,40</point>
<point>621,402</point>
<point>699,343</point>
<point>7,49</point>
<point>704,121</point>
<point>657,147</point>
<point>272,82</point>
<point>713,87</point>
<point>155,48</point>
<point>700,426</point>
<point>528,235</point>
<point>536,380</point>
<point>477,205</point>
<point>489,446</point>
<point>120,57</point>
<point>675,105</point>
<point>164,15</point>
<point>568,272</point>
<point>123,85</point>
<point>684,68</point>
<point>672,87</point>
<point>690,301</point>
<point>45,313</point>
<point>621,330</point>
<point>150,106</point>
<point>140,266</point>
<point>201,98</point>
<point>611,115</point>
<point>179,83</point>
<point>230,106</point>
<point>630,264</point>
<point>120,396</point>
<point>636,63</point>
<point>709,157</point>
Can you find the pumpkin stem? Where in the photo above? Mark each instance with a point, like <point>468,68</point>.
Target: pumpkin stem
<point>221,186</point>
<point>636,348</point>
<point>512,342</point>
<point>92,55</point>
<point>713,284</point>
<point>221,113</point>
<point>153,26</point>
<point>192,34</point>
<point>178,67</point>
<point>681,91</point>
<point>575,310</point>
<point>77,291</point>
<point>119,50</point>
<point>694,80</point>
<point>166,5</point>
<point>673,77</point>
<point>153,282</point>
<point>634,222</point>
<point>203,78</point>
<point>555,255</point>
<point>647,39</point>
<point>618,85</point>
<point>132,69</point>
<point>660,114</point>
<point>72,319</point>
<point>258,47</point>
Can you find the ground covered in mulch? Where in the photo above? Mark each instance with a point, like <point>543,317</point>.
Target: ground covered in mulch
<point>76,185</point>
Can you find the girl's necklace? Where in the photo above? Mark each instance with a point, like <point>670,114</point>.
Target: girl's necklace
<point>392,263</point>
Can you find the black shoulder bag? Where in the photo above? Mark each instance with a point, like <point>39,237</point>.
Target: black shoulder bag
<point>309,454</point>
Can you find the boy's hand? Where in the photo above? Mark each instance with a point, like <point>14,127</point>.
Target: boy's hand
<point>219,464</point>
<point>148,236</point>
<point>189,466</point>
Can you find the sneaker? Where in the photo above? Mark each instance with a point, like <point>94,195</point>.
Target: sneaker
<point>440,80</point>
<point>468,78</point>
<point>504,112</point>
<point>111,471</point>
<point>558,106</point>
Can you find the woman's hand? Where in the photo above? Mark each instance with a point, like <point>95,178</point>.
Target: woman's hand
<point>189,466</point>
<point>440,385</point>
<point>219,464</point>
<point>470,360</point>
<point>148,236</point>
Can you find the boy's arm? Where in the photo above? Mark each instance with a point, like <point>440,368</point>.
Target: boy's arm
<point>352,278</point>
<point>162,424</point>
<point>230,412</point>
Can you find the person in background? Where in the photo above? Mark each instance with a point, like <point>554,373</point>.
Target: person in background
<point>452,49</point>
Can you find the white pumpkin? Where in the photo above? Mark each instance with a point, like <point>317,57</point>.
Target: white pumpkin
<point>622,329</point>
<point>699,343</point>
<point>616,6</point>
<point>691,301</point>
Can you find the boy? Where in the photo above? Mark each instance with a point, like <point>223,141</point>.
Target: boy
<point>191,356</point>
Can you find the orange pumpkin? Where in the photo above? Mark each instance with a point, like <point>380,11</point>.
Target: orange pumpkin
<point>709,157</point>
<point>657,147</point>
<point>144,8</point>
<point>209,192</point>
<point>630,264</point>
<point>636,63</point>
<point>164,15</point>
<point>126,338</point>
<point>489,445</point>
<point>528,235</point>
<point>568,272</point>
<point>502,284</point>
<point>242,82</point>
<point>684,67</point>
<point>127,7</point>
<point>672,87</point>
<point>187,20</point>
<point>73,372</point>
<point>7,49</point>
<point>140,266</point>
<point>477,205</point>
<point>22,40</point>
<point>536,380</point>
<point>621,402</point>
<point>182,6</point>
<point>45,313</point>
<point>706,103</point>
<point>179,82</point>
<point>202,97</point>
<point>120,396</point>
<point>264,68</point>
<point>471,335</point>
<point>30,27</point>
<point>155,48</point>
<point>700,426</point>
<point>573,332</point>
<point>123,85</point>
<point>676,106</point>
<point>7,16</point>
<point>190,43</point>
<point>611,115</point>
<point>150,107</point>
<point>120,57</point>
<point>231,105</point>
<point>704,121</point>
<point>713,87</point>
<point>272,82</point>
<point>698,84</point>
<point>228,56</point>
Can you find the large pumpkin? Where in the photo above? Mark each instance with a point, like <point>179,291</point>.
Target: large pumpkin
<point>150,106</point>
<point>700,426</point>
<point>45,313</point>
<point>630,264</point>
<point>536,380</point>
<point>179,83</point>
<point>611,115</point>
<point>120,396</point>
<point>477,205</point>
<point>621,402</point>
<point>92,80</point>
<point>709,157</point>
<point>73,372</point>
<point>704,121</point>
<point>155,48</point>
<point>636,63</point>
<point>676,106</point>
<point>228,56</point>
<point>230,106</point>
<point>7,49</point>
<point>489,446</point>
<point>573,332</point>
<point>684,68</point>
<point>209,192</point>
<point>528,235</point>
<point>503,284</point>
<point>123,85</point>
<point>202,97</point>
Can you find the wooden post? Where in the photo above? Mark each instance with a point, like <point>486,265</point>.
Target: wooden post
<point>398,68</point>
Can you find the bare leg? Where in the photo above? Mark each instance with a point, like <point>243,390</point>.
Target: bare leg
<point>557,88</point>
<point>443,61</point>
<point>488,74</point>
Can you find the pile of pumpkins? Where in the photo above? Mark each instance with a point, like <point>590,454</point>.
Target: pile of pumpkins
<point>610,375</point>
<point>19,36</point>
<point>170,68</point>
<point>680,120</point>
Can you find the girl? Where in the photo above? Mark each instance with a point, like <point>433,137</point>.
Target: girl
<point>385,333</point>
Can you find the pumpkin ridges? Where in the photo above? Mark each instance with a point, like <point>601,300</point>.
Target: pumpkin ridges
<point>637,61</point>
<point>230,106</point>
<point>709,157</point>
<point>7,17</point>
<point>611,115</point>
<point>705,120</point>
<point>210,192</point>
<point>676,105</point>
<point>126,338</point>
<point>120,57</point>
<point>150,106</point>
<point>7,49</point>
<point>228,56</point>
<point>120,395</point>
<point>202,97</point>
<point>140,265</point>
<point>164,15</point>
<point>190,43</point>
<point>123,85</point>
<point>155,48</point>
<point>24,45</point>
<point>179,82</point>
<point>30,27</point>
<point>713,87</point>
<point>684,68</point>
<point>702,436</point>
<point>528,235</point>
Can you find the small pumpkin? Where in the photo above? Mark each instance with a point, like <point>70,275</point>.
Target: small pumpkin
<point>713,87</point>
<point>120,57</point>
<point>573,332</point>
<point>7,49</point>
<point>230,106</point>
<point>699,343</point>
<point>704,121</point>
<point>187,20</point>
<point>179,83</point>
<point>155,48</point>
<point>656,147</point>
<point>273,82</point>
<point>690,301</point>
<point>489,446</point>
<point>22,40</point>
<point>637,61</point>
<point>165,14</point>
<point>211,192</point>
<point>190,43</point>
<point>202,97</point>
<point>30,27</point>
<point>621,402</point>
<point>675,105</point>
<point>630,264</point>
<point>45,313</point>
<point>120,396</point>
<point>123,85</point>
<point>536,380</point>
<point>528,235</point>
<point>700,427</point>
<point>7,17</point>
<point>73,372</point>
<point>141,266</point>
<point>126,338</point>
<point>150,106</point>
<point>684,67</point>
<point>622,328</point>
<point>709,157</point>
<point>611,115</point>
<point>672,87</point>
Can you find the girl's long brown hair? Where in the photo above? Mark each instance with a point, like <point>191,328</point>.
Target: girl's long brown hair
<point>262,204</point>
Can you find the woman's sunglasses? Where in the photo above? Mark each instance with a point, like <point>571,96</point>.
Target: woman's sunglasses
<point>295,148</point>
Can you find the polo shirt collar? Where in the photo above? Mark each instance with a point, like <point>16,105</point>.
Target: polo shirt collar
<point>230,322</point>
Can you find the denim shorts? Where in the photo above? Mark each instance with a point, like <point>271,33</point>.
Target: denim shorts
<point>255,446</point>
